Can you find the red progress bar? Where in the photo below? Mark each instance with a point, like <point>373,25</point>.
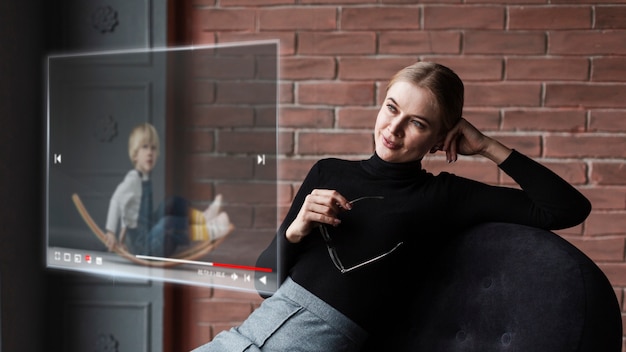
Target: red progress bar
<point>245,267</point>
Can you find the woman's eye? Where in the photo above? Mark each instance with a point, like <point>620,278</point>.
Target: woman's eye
<point>417,123</point>
<point>391,108</point>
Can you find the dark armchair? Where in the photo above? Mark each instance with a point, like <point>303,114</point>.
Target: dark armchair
<point>505,287</point>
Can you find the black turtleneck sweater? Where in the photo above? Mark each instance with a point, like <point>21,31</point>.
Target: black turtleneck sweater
<point>417,209</point>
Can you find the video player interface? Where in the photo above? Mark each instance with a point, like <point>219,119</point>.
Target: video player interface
<point>161,164</point>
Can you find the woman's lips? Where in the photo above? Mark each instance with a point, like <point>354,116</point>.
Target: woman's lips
<point>389,144</point>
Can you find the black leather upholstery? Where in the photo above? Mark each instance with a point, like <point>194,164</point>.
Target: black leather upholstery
<point>505,287</point>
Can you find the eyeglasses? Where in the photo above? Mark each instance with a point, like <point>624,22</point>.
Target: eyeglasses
<point>332,250</point>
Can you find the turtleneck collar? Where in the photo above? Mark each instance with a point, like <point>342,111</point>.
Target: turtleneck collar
<point>379,167</point>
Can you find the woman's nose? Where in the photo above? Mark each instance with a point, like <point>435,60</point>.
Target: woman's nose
<point>395,126</point>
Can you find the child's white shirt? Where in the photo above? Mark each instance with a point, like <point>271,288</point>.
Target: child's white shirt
<point>125,202</point>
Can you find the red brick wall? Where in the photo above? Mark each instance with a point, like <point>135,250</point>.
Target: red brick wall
<point>545,77</point>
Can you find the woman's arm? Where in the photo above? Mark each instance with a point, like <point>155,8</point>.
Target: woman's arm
<point>546,200</point>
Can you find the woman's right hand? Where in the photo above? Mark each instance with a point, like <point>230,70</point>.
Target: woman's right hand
<point>321,206</point>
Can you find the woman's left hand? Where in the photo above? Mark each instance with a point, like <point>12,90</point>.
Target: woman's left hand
<point>465,139</point>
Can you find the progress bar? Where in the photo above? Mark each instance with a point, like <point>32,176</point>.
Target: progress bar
<point>219,265</point>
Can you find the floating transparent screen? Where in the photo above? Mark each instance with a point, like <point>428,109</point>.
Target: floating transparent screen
<point>215,112</point>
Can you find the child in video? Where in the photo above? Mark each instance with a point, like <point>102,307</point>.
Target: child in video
<point>174,224</point>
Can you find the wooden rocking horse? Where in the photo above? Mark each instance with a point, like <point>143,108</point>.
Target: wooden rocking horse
<point>192,253</point>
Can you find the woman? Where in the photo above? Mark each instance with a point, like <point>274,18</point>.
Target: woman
<point>356,222</point>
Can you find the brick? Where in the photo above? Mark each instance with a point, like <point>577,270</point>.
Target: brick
<point>502,43</point>
<point>544,120</point>
<point>203,92</point>
<point>227,3</point>
<point>245,92</point>
<point>527,145</point>
<point>318,143</point>
<point>606,197</point>
<point>610,223</point>
<point>607,120</point>
<point>357,117</point>
<point>591,95</point>
<point>608,173</point>
<point>252,142</point>
<point>266,116</point>
<point>248,192</point>
<point>212,19</point>
<point>608,69</point>
<point>214,116</point>
<point>336,43</point>
<point>363,68</point>
<point>220,168</point>
<point>502,94</point>
<point>484,119</point>
<point>585,146</point>
<point>333,93</point>
<point>287,39</point>
<point>285,197</point>
<point>500,2</point>
<point>419,42</point>
<point>381,92</point>
<point>201,141</point>
<point>197,191</point>
<point>338,2</point>
<point>220,64</point>
<point>203,2</point>
<point>464,17</point>
<point>619,293</point>
<point>203,38</point>
<point>308,68</point>
<point>286,93</point>
<point>294,18</point>
<point>196,292</point>
<point>544,69</point>
<point>615,272</point>
<point>473,68</point>
<point>568,2</point>
<point>306,117</point>
<point>375,18</point>
<point>577,42</point>
<point>549,17</point>
<point>421,2</point>
<point>601,249</point>
<point>610,17</point>
<point>285,142</point>
<point>265,218</point>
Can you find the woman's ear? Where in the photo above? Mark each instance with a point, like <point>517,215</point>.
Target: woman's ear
<point>438,146</point>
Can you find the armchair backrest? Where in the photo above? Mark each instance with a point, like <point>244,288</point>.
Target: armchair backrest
<point>509,287</point>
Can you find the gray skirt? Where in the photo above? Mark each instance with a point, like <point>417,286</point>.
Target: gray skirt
<point>293,319</point>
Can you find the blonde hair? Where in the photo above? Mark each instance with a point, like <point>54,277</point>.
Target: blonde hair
<point>142,134</point>
<point>445,86</point>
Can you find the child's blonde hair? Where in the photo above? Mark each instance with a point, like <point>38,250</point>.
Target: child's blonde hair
<point>142,134</point>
